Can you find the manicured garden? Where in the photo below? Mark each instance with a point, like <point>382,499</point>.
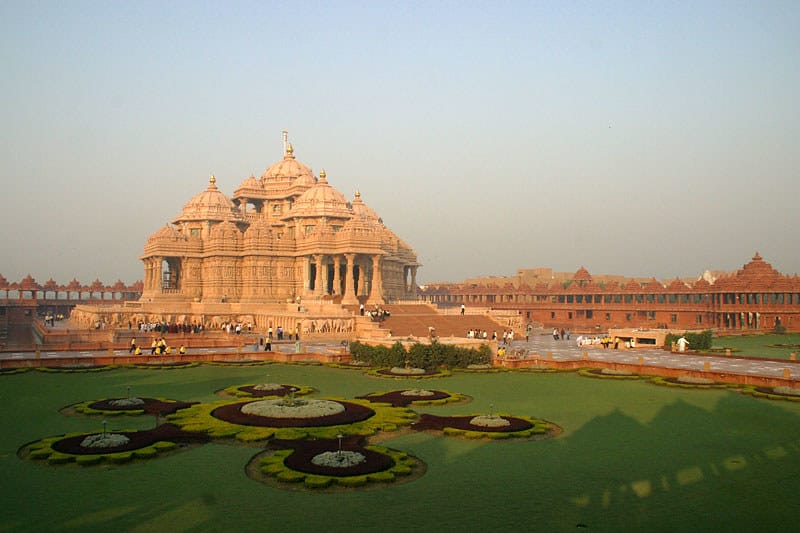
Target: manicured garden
<point>631,455</point>
<point>769,346</point>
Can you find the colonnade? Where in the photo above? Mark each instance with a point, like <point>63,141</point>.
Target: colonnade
<point>361,276</point>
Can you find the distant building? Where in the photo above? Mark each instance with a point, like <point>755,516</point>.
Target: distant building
<point>755,298</point>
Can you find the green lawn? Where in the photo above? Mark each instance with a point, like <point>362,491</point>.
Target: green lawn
<point>633,457</point>
<point>769,346</point>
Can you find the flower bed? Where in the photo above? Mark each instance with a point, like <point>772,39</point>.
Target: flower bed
<point>76,447</point>
<point>773,393</point>
<point>8,371</point>
<point>404,397</point>
<point>611,373</point>
<point>267,389</point>
<point>226,420</point>
<point>166,365</point>
<point>689,382</point>
<point>78,367</point>
<point>418,373</point>
<point>238,362</point>
<point>117,406</point>
<point>473,426</point>
<point>316,464</point>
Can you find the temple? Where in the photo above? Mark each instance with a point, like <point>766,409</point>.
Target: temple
<point>284,239</point>
<point>283,236</point>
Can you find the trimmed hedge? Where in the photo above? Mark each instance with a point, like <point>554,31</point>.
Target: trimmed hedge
<point>427,356</point>
<point>697,341</point>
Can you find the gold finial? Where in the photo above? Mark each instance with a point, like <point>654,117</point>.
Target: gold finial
<point>322,175</point>
<point>212,180</point>
<point>358,194</point>
<point>289,149</point>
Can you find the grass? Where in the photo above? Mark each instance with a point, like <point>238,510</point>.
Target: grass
<point>633,457</point>
<point>760,345</point>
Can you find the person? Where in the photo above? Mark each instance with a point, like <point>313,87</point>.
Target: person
<point>269,333</point>
<point>268,344</point>
<point>361,309</point>
<point>133,345</point>
<point>463,308</point>
<point>280,333</point>
<point>138,351</point>
<point>682,344</point>
<point>182,349</point>
<point>153,347</point>
<point>555,334</point>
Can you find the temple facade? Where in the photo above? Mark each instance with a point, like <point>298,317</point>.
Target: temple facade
<point>287,236</point>
<point>756,298</point>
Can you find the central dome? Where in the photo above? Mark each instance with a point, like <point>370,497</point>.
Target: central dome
<point>289,170</point>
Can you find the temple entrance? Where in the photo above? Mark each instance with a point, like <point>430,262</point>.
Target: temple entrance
<point>170,273</point>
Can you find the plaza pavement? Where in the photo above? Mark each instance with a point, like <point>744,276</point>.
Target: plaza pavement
<point>566,350</point>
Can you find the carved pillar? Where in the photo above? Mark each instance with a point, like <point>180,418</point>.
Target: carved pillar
<point>306,276</point>
<point>376,292</point>
<point>319,289</point>
<point>348,295</point>
<point>337,280</point>
<point>413,281</point>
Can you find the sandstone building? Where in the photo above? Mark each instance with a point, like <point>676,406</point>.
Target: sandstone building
<point>756,298</point>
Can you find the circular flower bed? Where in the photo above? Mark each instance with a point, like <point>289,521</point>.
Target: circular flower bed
<point>238,362</point>
<point>166,365</point>
<point>129,406</point>
<point>403,397</point>
<point>7,371</point>
<point>482,426</point>
<point>267,389</point>
<point>263,419</point>
<point>612,373</point>
<point>689,382</point>
<point>333,463</point>
<point>773,393</point>
<point>408,373</point>
<point>76,367</point>
<point>115,447</point>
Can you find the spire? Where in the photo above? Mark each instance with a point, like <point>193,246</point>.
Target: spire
<point>322,176</point>
<point>212,182</point>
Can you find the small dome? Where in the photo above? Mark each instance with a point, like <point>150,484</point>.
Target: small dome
<point>363,211</point>
<point>166,233</point>
<point>288,171</point>
<point>211,204</point>
<point>321,200</point>
<point>250,184</point>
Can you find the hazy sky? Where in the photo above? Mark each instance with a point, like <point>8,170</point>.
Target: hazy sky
<point>637,138</point>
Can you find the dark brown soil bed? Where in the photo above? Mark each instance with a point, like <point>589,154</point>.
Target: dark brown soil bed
<point>305,450</point>
<point>151,406</point>
<point>397,399</point>
<point>173,364</point>
<point>138,439</point>
<point>233,413</point>
<point>433,422</point>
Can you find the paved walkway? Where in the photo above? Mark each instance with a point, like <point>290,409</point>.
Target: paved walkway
<point>568,350</point>
<point>542,345</point>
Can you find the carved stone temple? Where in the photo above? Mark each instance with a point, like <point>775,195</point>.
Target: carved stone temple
<point>287,238</point>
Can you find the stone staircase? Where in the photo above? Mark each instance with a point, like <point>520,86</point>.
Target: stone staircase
<point>407,320</point>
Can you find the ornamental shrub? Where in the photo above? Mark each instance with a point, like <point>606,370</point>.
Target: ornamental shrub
<point>697,341</point>
<point>427,356</point>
